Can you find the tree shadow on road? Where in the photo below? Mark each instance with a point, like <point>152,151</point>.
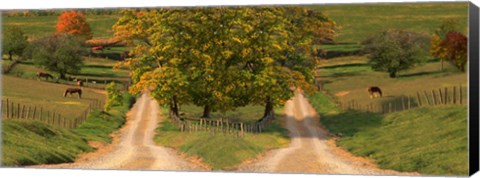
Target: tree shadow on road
<point>348,123</point>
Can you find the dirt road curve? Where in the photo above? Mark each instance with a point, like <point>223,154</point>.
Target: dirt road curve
<point>310,150</point>
<point>134,148</point>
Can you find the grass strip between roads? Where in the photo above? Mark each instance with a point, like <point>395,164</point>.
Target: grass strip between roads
<point>222,152</point>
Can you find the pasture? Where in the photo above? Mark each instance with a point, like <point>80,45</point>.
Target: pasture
<point>358,21</point>
<point>48,95</point>
<point>428,140</point>
<point>38,26</point>
<point>347,78</point>
<point>27,142</point>
<point>98,70</point>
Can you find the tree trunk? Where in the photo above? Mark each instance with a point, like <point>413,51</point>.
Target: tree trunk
<point>174,106</point>
<point>268,106</point>
<point>206,111</point>
<point>62,76</point>
<point>393,74</point>
<point>10,55</point>
<point>442,63</point>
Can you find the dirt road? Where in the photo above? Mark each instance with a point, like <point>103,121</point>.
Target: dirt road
<point>133,147</point>
<point>310,151</point>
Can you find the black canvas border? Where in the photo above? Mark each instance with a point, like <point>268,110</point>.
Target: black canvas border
<point>473,54</point>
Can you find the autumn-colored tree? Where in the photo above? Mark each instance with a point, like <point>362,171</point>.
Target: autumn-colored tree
<point>74,23</point>
<point>14,41</point>
<point>218,58</point>
<point>455,44</point>
<point>437,50</point>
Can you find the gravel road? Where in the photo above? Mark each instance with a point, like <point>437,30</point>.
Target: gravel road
<point>133,147</point>
<point>311,149</point>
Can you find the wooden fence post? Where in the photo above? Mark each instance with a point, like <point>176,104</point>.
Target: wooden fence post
<point>446,96</point>
<point>460,93</point>
<point>53,118</point>
<point>419,99</point>
<point>409,102</point>
<point>434,97</point>
<point>403,103</point>
<point>34,112</point>
<point>389,107</point>
<point>454,95</point>
<point>41,114</point>
<point>28,112</point>
<point>7,112</point>
<point>241,128</point>
<point>441,96</point>
<point>426,97</point>
<point>228,127</point>
<point>18,110</point>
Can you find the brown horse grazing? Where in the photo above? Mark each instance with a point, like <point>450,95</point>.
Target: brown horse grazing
<point>44,75</point>
<point>374,90</point>
<point>73,90</point>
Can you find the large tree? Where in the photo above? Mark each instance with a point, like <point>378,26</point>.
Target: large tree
<point>74,23</point>
<point>14,41</point>
<point>58,53</point>
<point>223,57</point>
<point>396,50</point>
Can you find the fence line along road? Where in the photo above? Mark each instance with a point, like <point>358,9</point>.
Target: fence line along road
<point>455,95</point>
<point>12,110</point>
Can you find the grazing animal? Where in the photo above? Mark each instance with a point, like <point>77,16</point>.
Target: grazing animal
<point>73,90</point>
<point>44,75</point>
<point>374,90</point>
<point>79,83</point>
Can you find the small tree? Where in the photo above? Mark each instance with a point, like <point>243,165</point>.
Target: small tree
<point>396,50</point>
<point>437,49</point>
<point>455,44</point>
<point>74,23</point>
<point>58,53</point>
<point>114,97</point>
<point>14,41</point>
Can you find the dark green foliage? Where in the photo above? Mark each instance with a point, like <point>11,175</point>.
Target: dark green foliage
<point>14,41</point>
<point>396,50</point>
<point>57,53</point>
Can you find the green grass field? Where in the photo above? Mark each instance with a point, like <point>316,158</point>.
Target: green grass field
<point>349,77</point>
<point>26,142</point>
<point>358,21</point>
<point>47,95</point>
<point>428,140</point>
<point>35,27</point>
<point>98,70</point>
<point>222,152</point>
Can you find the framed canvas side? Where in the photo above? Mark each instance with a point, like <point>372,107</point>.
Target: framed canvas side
<point>473,55</point>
